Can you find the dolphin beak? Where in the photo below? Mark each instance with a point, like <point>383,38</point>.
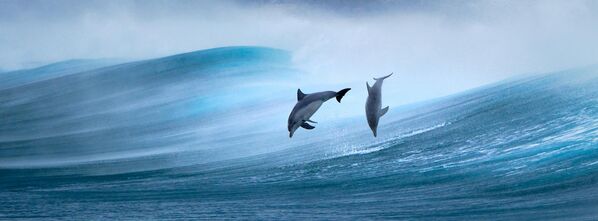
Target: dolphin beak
<point>290,134</point>
<point>375,132</point>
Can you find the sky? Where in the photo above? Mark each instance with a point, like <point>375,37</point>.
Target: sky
<point>435,48</point>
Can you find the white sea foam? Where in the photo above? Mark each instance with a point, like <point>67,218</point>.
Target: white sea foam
<point>358,149</point>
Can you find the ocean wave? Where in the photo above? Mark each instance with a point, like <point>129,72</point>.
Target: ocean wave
<point>177,134</point>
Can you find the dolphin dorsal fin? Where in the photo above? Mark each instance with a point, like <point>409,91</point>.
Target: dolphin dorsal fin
<point>300,95</point>
<point>368,86</point>
<point>383,111</point>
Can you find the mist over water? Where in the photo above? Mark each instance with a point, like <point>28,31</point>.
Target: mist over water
<point>436,48</point>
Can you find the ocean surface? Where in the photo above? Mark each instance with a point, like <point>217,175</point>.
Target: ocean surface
<point>203,135</point>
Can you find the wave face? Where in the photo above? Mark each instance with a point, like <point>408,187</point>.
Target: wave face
<point>199,135</point>
<point>145,108</point>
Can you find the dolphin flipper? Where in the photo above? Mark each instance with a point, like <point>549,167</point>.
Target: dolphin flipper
<point>383,111</point>
<point>311,121</point>
<point>307,126</point>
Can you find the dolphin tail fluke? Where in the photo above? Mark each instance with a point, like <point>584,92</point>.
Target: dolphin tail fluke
<point>383,111</point>
<point>382,78</point>
<point>340,94</point>
<point>307,126</point>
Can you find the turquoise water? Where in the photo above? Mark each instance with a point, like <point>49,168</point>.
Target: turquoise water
<point>195,136</point>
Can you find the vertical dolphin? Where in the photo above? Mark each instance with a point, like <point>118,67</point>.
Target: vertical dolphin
<point>307,105</point>
<point>373,104</point>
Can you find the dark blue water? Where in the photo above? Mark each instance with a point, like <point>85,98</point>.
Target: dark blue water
<point>202,135</point>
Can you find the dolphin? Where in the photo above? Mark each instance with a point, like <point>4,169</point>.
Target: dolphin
<point>374,103</point>
<point>307,105</point>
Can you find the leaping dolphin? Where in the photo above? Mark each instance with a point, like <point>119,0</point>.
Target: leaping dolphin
<point>373,104</point>
<point>307,105</point>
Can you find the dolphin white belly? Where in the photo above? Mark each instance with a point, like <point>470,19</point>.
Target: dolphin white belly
<point>309,110</point>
